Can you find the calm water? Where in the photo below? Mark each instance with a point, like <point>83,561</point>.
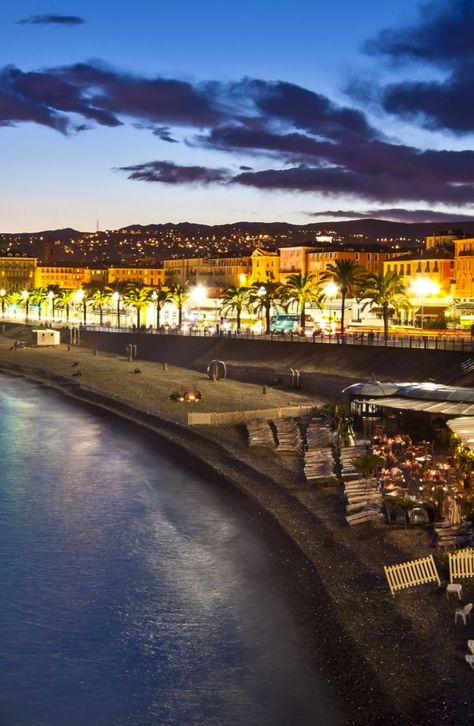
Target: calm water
<point>133,591</point>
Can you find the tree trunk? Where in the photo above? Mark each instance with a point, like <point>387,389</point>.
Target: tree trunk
<point>302,317</point>
<point>267,319</point>
<point>180,316</point>
<point>343,311</point>
<point>385,323</point>
<point>239,312</point>
<point>158,316</point>
<point>138,318</point>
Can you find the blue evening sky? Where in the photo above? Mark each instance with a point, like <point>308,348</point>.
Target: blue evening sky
<point>63,166</point>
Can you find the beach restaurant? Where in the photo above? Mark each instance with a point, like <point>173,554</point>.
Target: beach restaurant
<point>416,408</point>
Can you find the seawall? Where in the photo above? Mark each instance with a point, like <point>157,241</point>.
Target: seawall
<point>265,361</point>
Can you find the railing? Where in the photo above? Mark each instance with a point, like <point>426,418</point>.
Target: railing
<point>395,340</point>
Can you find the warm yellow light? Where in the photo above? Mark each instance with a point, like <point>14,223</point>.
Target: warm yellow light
<point>79,296</point>
<point>330,289</point>
<point>25,294</point>
<point>242,279</point>
<point>199,294</point>
<point>3,292</point>
<point>424,287</point>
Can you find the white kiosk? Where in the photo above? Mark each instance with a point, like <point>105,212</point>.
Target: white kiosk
<point>46,336</point>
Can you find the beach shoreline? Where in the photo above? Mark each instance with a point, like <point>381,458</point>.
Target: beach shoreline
<point>378,650</point>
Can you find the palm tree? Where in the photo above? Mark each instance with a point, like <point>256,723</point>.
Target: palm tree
<point>235,299</point>
<point>14,299</point>
<point>385,290</point>
<point>160,297</point>
<point>99,298</point>
<point>178,295</point>
<point>262,297</point>
<point>65,300</point>
<point>38,296</point>
<point>302,289</point>
<point>348,275</point>
<point>138,298</point>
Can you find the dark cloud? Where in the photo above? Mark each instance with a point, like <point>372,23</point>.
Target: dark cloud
<point>99,94</point>
<point>395,215</point>
<point>52,20</point>
<point>164,133</point>
<point>310,143</point>
<point>303,109</point>
<point>447,105</point>
<point>245,168</point>
<point>167,172</point>
<point>443,35</point>
<point>443,38</point>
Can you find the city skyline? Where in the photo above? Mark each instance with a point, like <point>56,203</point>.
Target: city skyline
<point>277,113</point>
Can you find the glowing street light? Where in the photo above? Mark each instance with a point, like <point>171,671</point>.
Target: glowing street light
<point>330,290</point>
<point>198,296</point>
<point>80,297</point>
<point>423,287</point>
<point>51,302</point>
<point>116,299</point>
<point>25,295</point>
<point>2,295</point>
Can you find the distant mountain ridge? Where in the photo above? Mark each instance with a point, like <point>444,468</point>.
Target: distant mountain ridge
<point>137,243</point>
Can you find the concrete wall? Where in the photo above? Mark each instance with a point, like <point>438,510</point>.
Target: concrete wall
<point>264,361</point>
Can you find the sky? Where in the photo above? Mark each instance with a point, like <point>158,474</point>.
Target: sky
<point>118,113</point>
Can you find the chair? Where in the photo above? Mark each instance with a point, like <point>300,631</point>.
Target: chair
<point>463,613</point>
<point>470,660</point>
<point>470,645</point>
<point>455,588</point>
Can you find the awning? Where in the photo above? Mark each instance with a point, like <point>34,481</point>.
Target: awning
<point>437,392</point>
<point>464,428</point>
<point>445,408</point>
<point>431,310</point>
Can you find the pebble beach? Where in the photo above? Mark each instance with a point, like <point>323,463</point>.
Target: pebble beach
<point>389,660</point>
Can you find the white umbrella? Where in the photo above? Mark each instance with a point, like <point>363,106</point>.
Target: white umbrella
<point>454,513</point>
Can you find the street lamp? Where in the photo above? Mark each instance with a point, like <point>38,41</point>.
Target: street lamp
<point>51,302</point>
<point>25,295</point>
<point>330,290</point>
<point>198,296</point>
<point>423,287</point>
<point>80,297</point>
<point>116,299</point>
<point>2,295</point>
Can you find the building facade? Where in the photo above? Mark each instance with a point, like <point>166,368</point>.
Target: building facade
<point>17,273</point>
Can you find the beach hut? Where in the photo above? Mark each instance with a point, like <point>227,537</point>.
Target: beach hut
<point>46,336</point>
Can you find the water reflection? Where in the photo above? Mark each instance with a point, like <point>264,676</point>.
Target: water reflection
<point>133,592</point>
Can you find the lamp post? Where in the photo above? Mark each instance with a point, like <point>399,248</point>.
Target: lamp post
<point>81,298</point>
<point>423,287</point>
<point>116,299</point>
<point>198,296</point>
<point>25,295</point>
<point>330,290</point>
<point>51,302</point>
<point>2,295</point>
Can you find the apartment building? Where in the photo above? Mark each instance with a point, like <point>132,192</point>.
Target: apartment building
<point>435,265</point>
<point>147,276</point>
<point>372,261</point>
<point>464,267</point>
<point>17,272</point>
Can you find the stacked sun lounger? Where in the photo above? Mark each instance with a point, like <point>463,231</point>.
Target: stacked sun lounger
<point>260,433</point>
<point>454,536</point>
<point>288,436</point>
<point>364,501</point>
<point>318,435</point>
<point>347,453</point>
<point>318,459</point>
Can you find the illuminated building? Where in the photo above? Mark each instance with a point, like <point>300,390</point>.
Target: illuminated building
<point>17,272</point>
